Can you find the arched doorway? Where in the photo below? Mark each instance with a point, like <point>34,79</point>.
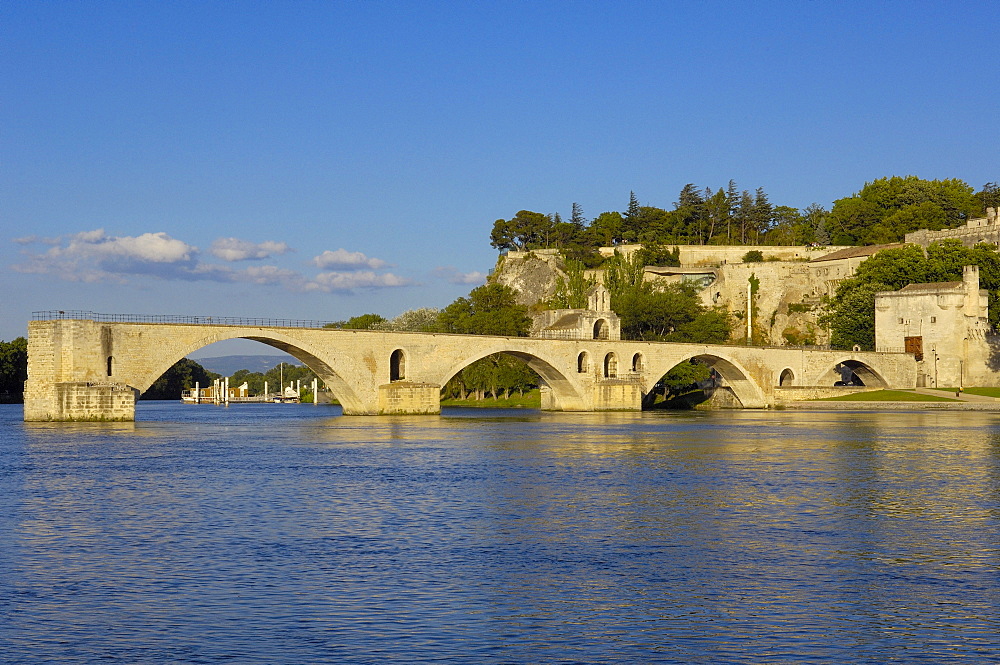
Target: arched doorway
<point>601,329</point>
<point>397,366</point>
<point>787,378</point>
<point>610,366</point>
<point>637,362</point>
<point>583,363</point>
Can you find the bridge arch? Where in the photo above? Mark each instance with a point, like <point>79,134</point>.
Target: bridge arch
<point>734,375</point>
<point>304,352</point>
<point>868,375</point>
<point>564,393</point>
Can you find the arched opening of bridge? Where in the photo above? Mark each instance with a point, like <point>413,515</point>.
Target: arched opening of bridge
<point>850,372</point>
<point>244,371</point>
<point>397,366</point>
<point>524,378</point>
<point>787,378</point>
<point>493,378</point>
<point>601,329</point>
<point>702,378</point>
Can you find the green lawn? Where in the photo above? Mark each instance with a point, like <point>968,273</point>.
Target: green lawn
<point>888,396</point>
<point>985,392</point>
<point>530,400</point>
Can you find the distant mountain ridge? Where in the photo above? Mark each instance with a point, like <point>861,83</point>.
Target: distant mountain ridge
<point>229,365</point>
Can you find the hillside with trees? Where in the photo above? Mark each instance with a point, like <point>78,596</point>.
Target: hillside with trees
<point>882,211</point>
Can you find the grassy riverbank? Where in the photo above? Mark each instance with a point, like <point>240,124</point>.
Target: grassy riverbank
<point>530,400</point>
<point>888,396</point>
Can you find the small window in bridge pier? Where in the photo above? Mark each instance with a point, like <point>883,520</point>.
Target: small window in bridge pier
<point>637,362</point>
<point>583,363</point>
<point>110,359</point>
<point>397,366</point>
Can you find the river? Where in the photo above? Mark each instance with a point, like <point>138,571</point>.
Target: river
<point>291,534</point>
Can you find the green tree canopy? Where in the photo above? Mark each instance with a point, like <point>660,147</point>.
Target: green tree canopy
<point>361,322</point>
<point>13,369</point>
<point>181,376</point>
<point>888,208</point>
<point>491,309</point>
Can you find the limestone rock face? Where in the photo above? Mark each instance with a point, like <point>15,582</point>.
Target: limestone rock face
<point>533,275</point>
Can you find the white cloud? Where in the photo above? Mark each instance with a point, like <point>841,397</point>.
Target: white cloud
<point>345,260</point>
<point>349,281</point>
<point>93,256</point>
<point>234,249</point>
<point>455,277</point>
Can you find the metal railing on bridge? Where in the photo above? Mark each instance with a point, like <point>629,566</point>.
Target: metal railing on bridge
<point>53,315</point>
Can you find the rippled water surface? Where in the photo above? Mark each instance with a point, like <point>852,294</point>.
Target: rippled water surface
<point>291,534</point>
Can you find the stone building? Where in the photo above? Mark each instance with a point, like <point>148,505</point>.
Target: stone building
<point>945,325</point>
<point>975,231</point>
<point>598,321</point>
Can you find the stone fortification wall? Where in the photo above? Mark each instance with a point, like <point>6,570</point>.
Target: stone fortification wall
<point>712,255</point>
<point>975,231</point>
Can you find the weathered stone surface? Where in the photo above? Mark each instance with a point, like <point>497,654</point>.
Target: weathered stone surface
<point>79,369</point>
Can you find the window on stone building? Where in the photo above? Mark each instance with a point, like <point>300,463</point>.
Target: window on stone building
<point>583,363</point>
<point>110,359</point>
<point>933,319</point>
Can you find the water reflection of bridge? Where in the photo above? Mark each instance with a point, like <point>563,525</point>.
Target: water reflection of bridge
<point>92,367</point>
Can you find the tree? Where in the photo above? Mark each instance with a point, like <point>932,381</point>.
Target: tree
<point>608,229</point>
<point>423,319</point>
<point>571,290</point>
<point>14,369</point>
<point>182,375</point>
<point>525,230</point>
<point>362,322</point>
<point>490,309</point>
<point>576,217</point>
<point>989,197</point>
<point>888,208</point>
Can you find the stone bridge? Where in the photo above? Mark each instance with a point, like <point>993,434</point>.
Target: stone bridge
<point>85,369</point>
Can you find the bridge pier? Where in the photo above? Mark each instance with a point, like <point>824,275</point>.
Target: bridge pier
<point>78,400</point>
<point>406,397</point>
<point>617,395</point>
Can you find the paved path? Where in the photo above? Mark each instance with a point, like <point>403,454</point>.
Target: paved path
<point>963,397</point>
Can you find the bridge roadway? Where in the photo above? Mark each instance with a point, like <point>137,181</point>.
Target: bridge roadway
<point>82,369</point>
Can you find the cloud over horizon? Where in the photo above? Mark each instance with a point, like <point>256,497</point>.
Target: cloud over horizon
<point>342,259</point>
<point>235,249</point>
<point>94,256</point>
<point>453,275</point>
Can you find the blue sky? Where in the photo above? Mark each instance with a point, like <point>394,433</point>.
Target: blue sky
<point>319,160</point>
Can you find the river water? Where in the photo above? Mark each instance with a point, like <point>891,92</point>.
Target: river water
<point>291,534</point>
